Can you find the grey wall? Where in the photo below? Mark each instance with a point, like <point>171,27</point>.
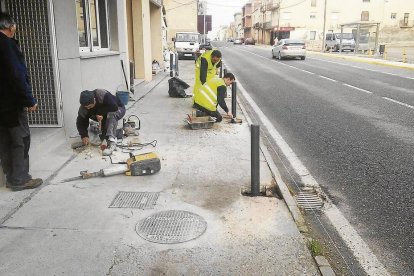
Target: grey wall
<point>87,70</point>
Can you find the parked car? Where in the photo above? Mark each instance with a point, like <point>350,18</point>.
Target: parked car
<point>289,48</point>
<point>249,41</point>
<point>230,40</point>
<point>237,41</point>
<point>333,41</point>
<point>202,49</point>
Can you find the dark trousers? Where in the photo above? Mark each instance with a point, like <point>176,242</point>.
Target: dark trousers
<point>14,150</point>
<point>214,114</point>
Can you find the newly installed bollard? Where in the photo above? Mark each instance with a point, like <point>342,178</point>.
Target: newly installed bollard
<point>131,76</point>
<point>225,71</point>
<point>221,70</point>
<point>171,65</point>
<point>176,65</point>
<point>255,162</point>
<point>233,100</point>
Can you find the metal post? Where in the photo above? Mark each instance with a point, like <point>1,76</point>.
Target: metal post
<point>176,64</point>
<point>131,76</point>
<point>340,40</point>
<point>376,39</point>
<point>255,162</point>
<point>233,101</point>
<point>225,71</point>
<point>221,70</point>
<point>171,64</point>
<point>324,27</point>
<point>356,49</point>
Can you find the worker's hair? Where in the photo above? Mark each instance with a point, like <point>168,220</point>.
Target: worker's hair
<point>6,21</point>
<point>229,76</point>
<point>216,53</point>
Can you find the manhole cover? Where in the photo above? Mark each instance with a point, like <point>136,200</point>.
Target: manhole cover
<point>134,200</point>
<point>171,226</point>
<point>309,200</point>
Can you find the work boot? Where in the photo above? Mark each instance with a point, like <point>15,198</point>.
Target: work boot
<point>30,184</point>
<point>109,149</point>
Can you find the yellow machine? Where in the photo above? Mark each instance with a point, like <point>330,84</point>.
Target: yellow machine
<point>142,164</point>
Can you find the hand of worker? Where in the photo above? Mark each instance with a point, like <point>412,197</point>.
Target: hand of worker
<point>32,108</point>
<point>230,114</point>
<point>99,118</point>
<point>85,141</point>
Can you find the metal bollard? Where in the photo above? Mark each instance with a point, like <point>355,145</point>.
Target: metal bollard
<point>221,70</point>
<point>233,101</point>
<point>255,161</point>
<point>176,65</point>
<point>171,65</point>
<point>404,56</point>
<point>131,76</point>
<point>225,71</point>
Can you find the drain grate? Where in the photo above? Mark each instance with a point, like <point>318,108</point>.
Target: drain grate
<point>309,200</point>
<point>171,226</point>
<point>134,200</point>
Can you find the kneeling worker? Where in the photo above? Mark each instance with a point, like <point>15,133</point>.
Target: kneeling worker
<point>101,106</point>
<point>211,94</point>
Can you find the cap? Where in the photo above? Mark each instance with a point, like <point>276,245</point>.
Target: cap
<point>86,97</point>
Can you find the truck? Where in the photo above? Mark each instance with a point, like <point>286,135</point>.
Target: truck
<point>186,44</point>
<point>333,41</point>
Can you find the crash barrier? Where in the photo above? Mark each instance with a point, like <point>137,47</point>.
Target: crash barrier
<point>255,162</point>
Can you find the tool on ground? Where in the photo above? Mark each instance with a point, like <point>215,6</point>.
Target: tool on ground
<point>142,164</point>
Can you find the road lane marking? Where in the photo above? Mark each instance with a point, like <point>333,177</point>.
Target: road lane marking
<point>368,261</point>
<point>326,78</point>
<point>357,88</point>
<point>397,102</point>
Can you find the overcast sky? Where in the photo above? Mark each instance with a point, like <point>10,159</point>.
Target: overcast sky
<point>222,11</point>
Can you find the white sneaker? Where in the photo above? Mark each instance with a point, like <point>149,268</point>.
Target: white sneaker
<point>111,147</point>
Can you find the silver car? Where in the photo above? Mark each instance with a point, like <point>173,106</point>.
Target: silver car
<point>289,48</point>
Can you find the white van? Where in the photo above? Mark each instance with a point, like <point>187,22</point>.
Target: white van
<point>186,44</point>
<point>333,41</point>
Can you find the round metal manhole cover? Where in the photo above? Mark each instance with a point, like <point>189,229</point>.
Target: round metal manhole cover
<point>171,226</point>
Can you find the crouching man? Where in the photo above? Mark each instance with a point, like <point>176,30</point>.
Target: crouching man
<point>211,94</point>
<point>101,106</point>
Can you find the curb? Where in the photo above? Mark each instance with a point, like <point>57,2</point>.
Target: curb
<point>394,64</point>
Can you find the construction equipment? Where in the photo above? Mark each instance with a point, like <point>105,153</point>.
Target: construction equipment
<point>142,164</point>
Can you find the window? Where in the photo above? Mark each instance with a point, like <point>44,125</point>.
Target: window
<point>286,15</point>
<point>406,15</point>
<point>334,16</point>
<point>393,15</point>
<point>365,16</point>
<point>92,19</point>
<point>313,3</point>
<point>312,15</point>
<point>312,35</point>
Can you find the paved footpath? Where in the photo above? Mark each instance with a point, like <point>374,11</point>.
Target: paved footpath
<point>67,228</point>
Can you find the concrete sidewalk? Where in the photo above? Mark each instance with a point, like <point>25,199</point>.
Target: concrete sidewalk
<point>67,228</point>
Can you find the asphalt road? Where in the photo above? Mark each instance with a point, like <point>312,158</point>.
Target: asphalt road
<point>351,124</point>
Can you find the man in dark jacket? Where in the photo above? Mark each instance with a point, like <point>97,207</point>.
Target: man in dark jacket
<point>16,99</point>
<point>101,106</point>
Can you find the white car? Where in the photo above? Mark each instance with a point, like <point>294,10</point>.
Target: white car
<point>237,42</point>
<point>289,48</point>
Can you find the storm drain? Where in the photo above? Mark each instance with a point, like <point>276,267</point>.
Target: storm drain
<point>134,200</point>
<point>173,226</point>
<point>309,200</point>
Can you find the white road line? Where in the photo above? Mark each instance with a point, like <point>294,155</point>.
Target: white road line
<point>307,72</point>
<point>360,249</point>
<point>326,78</point>
<point>357,88</point>
<point>397,102</point>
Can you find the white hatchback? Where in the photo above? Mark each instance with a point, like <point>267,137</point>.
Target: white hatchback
<point>289,48</point>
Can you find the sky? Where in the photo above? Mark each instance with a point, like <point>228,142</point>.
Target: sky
<point>222,12</point>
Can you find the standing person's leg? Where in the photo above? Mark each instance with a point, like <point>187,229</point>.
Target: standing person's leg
<point>20,145</point>
<point>5,154</point>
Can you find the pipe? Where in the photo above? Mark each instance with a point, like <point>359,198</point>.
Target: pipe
<point>255,162</point>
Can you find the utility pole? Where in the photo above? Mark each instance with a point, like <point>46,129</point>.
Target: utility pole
<point>324,27</point>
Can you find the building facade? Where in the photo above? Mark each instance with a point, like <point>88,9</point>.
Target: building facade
<point>79,45</point>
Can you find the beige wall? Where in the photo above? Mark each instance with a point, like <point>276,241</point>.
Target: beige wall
<point>156,34</point>
<point>180,18</point>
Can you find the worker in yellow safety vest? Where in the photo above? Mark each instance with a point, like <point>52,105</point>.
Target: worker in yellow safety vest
<point>211,94</point>
<point>206,68</point>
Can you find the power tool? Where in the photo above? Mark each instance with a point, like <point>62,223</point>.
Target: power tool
<point>142,164</point>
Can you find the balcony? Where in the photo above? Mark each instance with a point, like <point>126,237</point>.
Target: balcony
<point>267,25</point>
<point>257,25</point>
<point>406,23</point>
<point>272,6</point>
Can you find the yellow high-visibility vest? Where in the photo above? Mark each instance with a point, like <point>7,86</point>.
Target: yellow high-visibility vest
<point>207,94</point>
<point>211,70</point>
